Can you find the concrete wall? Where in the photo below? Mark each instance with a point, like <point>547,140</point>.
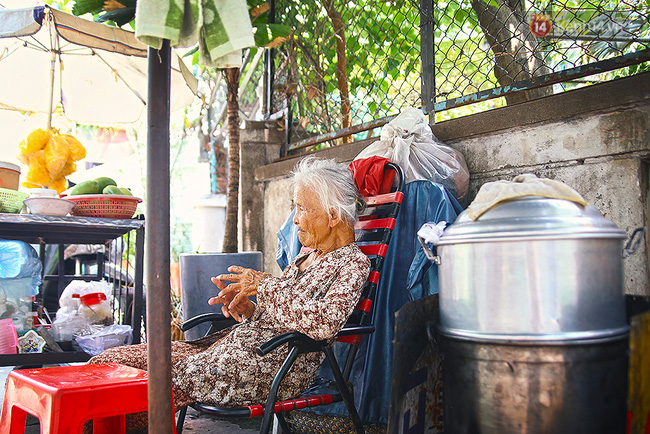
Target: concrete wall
<point>595,139</point>
<point>599,155</point>
<point>260,143</point>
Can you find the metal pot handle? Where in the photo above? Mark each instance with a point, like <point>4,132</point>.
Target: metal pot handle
<point>428,252</point>
<point>633,243</point>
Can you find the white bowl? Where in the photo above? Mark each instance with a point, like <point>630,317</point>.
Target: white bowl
<point>49,205</point>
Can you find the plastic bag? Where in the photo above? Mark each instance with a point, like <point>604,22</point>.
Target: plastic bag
<point>106,337</point>
<point>288,244</point>
<point>369,175</point>
<point>78,288</point>
<point>20,269</point>
<point>68,324</point>
<point>408,141</point>
<point>74,317</point>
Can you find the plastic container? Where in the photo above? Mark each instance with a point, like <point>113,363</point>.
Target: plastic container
<point>42,192</point>
<point>92,299</point>
<point>9,175</point>
<point>8,337</point>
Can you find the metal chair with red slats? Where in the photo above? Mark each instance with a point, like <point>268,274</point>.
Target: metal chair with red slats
<point>374,230</point>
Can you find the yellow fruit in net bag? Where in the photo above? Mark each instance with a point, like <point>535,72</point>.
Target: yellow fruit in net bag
<point>59,184</point>
<point>23,155</point>
<point>27,158</point>
<point>49,157</point>
<point>56,154</point>
<point>76,149</point>
<point>37,139</point>
<point>38,173</point>
<point>69,168</point>
<point>31,185</point>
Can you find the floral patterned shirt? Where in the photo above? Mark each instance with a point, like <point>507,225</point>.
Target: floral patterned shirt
<point>223,368</point>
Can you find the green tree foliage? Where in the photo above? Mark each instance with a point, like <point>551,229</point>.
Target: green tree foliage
<point>479,45</point>
<point>382,61</point>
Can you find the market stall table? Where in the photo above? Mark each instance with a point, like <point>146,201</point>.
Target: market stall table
<point>61,231</point>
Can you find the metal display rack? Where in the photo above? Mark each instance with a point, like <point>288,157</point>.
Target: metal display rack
<point>62,231</point>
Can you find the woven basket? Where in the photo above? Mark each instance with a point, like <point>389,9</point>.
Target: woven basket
<point>11,201</point>
<point>104,205</point>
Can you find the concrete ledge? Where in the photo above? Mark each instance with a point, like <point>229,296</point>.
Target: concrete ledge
<point>600,97</point>
<point>590,99</point>
<point>282,167</point>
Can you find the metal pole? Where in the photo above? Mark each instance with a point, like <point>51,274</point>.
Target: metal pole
<point>269,68</point>
<point>161,411</point>
<point>53,47</point>
<point>428,61</point>
<point>136,315</point>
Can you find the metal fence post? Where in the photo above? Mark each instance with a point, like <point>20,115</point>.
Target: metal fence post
<point>427,58</point>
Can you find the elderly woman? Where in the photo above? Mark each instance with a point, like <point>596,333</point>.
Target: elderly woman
<point>314,295</point>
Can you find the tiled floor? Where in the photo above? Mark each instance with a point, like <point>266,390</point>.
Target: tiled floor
<point>194,423</point>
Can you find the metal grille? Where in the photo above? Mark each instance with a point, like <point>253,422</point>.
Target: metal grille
<point>120,273</point>
<point>380,42</point>
<point>351,66</point>
<point>511,48</point>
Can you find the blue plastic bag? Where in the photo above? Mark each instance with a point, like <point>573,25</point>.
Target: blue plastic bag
<point>20,269</point>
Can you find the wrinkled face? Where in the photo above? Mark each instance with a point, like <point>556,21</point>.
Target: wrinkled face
<point>314,224</point>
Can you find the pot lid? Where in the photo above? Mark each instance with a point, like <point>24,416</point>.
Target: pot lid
<point>532,217</point>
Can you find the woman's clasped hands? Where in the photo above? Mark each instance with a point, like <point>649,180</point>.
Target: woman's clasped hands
<point>234,296</point>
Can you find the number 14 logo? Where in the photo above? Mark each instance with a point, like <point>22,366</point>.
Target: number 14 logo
<point>540,25</point>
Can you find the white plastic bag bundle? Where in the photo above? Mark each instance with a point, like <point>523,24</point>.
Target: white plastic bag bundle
<point>104,338</point>
<point>408,141</point>
<point>73,317</point>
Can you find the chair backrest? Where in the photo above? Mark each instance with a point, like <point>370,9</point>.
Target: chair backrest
<point>373,233</point>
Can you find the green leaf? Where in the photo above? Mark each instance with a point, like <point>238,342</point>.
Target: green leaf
<point>445,21</point>
<point>118,16</point>
<point>352,43</point>
<point>270,35</point>
<point>461,16</point>
<point>191,52</point>
<point>87,7</point>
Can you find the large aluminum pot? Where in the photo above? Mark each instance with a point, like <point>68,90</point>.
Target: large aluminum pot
<point>532,269</point>
<point>569,388</point>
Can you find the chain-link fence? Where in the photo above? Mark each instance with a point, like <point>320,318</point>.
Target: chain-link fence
<point>351,66</point>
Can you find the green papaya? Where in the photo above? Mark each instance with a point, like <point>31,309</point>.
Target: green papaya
<point>112,189</point>
<point>85,187</point>
<point>103,182</point>
<point>126,191</point>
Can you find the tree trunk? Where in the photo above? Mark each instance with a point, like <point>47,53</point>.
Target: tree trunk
<point>232,203</point>
<point>341,65</point>
<point>514,46</point>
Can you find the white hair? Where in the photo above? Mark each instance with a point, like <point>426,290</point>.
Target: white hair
<point>333,185</point>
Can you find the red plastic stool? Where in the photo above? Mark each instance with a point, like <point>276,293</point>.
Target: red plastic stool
<point>65,397</point>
